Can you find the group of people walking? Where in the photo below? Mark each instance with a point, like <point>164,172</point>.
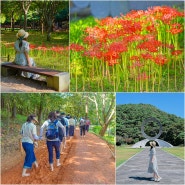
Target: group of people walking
<point>58,127</point>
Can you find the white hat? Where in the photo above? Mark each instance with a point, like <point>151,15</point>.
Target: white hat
<point>21,33</point>
<point>153,143</point>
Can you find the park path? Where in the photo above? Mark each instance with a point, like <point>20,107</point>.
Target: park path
<point>134,171</point>
<point>85,161</point>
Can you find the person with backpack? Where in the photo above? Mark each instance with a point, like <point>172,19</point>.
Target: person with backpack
<point>29,135</point>
<point>52,137</point>
<point>82,127</point>
<point>61,132</point>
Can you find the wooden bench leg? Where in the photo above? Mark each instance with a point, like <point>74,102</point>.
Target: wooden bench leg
<point>59,82</point>
<point>7,71</point>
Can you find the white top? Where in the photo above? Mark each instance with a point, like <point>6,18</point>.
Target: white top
<point>71,122</point>
<point>28,131</point>
<point>58,124</point>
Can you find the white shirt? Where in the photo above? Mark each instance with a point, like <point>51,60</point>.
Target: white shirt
<point>28,131</point>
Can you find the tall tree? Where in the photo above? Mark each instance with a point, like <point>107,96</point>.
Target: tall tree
<point>25,8</point>
<point>105,109</point>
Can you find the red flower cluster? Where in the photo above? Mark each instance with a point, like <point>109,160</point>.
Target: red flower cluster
<point>135,34</point>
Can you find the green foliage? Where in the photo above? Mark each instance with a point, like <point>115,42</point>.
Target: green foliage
<point>129,118</point>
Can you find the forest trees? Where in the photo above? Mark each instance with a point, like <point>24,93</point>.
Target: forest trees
<point>101,106</point>
<point>129,118</point>
<point>43,12</point>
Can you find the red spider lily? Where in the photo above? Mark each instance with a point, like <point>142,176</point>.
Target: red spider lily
<point>57,49</point>
<point>143,76</point>
<point>134,14</point>
<point>135,58</point>
<point>76,47</point>
<point>152,45</point>
<point>136,64</point>
<point>111,57</point>
<point>112,62</point>
<point>32,46</point>
<point>9,44</point>
<point>90,40</point>
<point>177,52</point>
<point>44,48</point>
<point>108,21</point>
<point>146,56</point>
<point>165,13</point>
<point>176,28</point>
<point>160,59</point>
<point>118,47</point>
<point>169,46</point>
<point>97,33</point>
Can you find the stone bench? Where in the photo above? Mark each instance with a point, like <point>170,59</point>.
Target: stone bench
<point>55,79</point>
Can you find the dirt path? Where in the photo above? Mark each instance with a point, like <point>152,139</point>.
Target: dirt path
<point>85,161</point>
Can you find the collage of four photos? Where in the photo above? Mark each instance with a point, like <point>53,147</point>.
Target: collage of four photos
<point>92,92</point>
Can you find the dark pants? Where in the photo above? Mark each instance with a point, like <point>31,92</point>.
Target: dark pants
<point>82,130</point>
<point>56,145</point>
<point>87,128</point>
<point>30,155</point>
<point>71,130</point>
<point>67,131</point>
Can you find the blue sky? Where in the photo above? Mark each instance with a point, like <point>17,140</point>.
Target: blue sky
<point>172,103</point>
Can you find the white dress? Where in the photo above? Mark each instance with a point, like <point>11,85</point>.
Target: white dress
<point>153,167</point>
<point>20,58</point>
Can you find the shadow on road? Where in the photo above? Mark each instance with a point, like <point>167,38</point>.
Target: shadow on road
<point>141,178</point>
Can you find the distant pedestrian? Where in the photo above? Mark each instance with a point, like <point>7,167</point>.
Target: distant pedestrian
<point>29,135</point>
<point>52,137</point>
<point>71,126</point>
<point>61,131</point>
<point>153,167</point>
<point>87,124</point>
<point>82,127</point>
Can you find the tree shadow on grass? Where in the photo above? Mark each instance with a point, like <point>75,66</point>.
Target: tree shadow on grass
<point>141,178</point>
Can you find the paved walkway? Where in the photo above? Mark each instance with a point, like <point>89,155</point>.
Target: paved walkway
<point>5,89</point>
<point>134,171</point>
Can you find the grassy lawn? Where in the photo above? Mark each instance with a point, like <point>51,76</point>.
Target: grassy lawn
<point>123,153</point>
<point>43,58</point>
<point>177,151</point>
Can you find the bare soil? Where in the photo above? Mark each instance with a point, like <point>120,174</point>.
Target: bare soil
<point>85,161</point>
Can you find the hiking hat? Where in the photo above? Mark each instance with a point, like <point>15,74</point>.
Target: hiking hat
<point>153,143</point>
<point>22,34</point>
<point>34,118</point>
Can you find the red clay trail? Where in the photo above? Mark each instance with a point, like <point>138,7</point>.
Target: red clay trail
<point>85,161</point>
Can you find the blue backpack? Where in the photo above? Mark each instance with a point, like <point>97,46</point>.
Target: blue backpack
<point>52,130</point>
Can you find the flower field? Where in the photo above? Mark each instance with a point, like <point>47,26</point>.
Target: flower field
<point>54,55</point>
<point>142,51</point>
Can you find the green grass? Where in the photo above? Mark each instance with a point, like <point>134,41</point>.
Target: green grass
<point>123,153</point>
<point>177,151</point>
<point>46,59</point>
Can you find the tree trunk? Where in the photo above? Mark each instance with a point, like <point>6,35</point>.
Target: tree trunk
<point>103,130</point>
<point>14,111</point>
<point>25,20</point>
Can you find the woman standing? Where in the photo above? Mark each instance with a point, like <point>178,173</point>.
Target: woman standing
<point>52,137</point>
<point>22,58</point>
<point>29,135</point>
<point>153,167</point>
